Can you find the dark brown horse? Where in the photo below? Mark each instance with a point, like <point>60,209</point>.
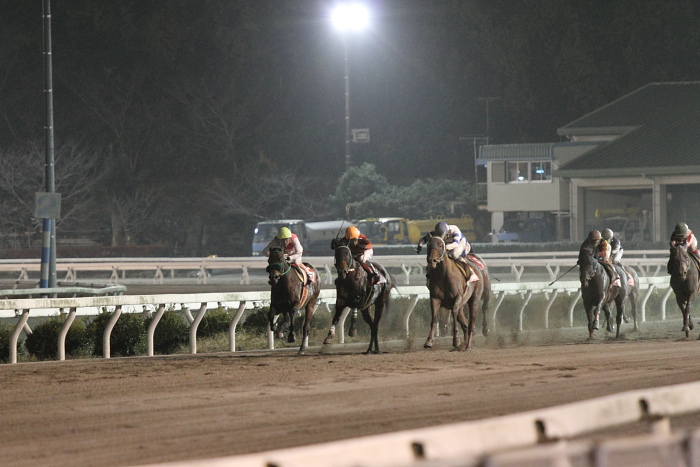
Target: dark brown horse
<point>290,293</point>
<point>354,291</point>
<point>598,292</point>
<point>684,282</point>
<point>445,316</point>
<point>451,288</point>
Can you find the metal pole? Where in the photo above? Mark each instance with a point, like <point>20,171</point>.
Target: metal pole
<point>348,157</point>
<point>48,253</point>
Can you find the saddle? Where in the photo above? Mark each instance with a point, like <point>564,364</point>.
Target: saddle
<point>305,274</point>
<point>469,273</point>
<point>306,285</point>
<point>612,274</point>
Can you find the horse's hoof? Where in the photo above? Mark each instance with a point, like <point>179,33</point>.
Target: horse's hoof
<point>352,332</point>
<point>291,339</point>
<point>596,325</point>
<point>685,329</point>
<point>485,332</point>
<point>691,325</point>
<point>427,345</point>
<point>625,318</point>
<point>328,341</point>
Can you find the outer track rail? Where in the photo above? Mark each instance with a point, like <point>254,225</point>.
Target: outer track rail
<point>540,437</point>
<point>240,301</point>
<point>649,262</point>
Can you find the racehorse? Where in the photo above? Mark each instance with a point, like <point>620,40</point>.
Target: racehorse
<point>290,293</point>
<point>354,290</point>
<point>445,315</point>
<point>598,292</point>
<point>684,282</point>
<point>453,287</point>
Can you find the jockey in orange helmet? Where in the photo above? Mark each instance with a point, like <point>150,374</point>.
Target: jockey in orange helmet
<point>362,250</point>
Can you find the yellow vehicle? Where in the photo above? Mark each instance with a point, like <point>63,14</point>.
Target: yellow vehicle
<point>389,230</point>
<point>465,224</point>
<point>402,231</point>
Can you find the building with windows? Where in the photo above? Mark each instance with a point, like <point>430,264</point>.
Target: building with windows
<point>633,165</point>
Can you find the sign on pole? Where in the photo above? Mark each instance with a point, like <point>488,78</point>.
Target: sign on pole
<point>360,135</point>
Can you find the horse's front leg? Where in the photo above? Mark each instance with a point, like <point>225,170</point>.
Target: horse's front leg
<point>684,305</point>
<point>458,320</point>
<point>373,344</point>
<point>309,313</point>
<point>608,324</point>
<point>291,337</point>
<point>435,309</point>
<point>620,315</point>
<point>352,332</point>
<point>339,307</point>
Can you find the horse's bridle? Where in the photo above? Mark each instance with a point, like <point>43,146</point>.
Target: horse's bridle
<point>444,249</point>
<point>586,275</point>
<point>351,264</point>
<point>682,262</point>
<point>283,267</point>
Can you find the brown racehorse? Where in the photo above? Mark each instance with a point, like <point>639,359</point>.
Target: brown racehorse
<point>353,290</point>
<point>451,288</point>
<point>289,294</point>
<point>684,282</point>
<point>445,315</point>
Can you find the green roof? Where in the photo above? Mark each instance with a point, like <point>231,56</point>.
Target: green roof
<point>659,126</point>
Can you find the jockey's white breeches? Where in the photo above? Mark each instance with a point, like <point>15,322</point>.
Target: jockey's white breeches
<point>457,249</point>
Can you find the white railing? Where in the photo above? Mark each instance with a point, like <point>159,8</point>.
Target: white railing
<point>648,263</point>
<point>538,437</point>
<point>240,301</point>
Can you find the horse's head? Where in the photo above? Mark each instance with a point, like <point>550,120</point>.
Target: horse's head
<point>343,260</point>
<point>436,251</point>
<point>679,261</point>
<point>587,264</point>
<point>277,265</point>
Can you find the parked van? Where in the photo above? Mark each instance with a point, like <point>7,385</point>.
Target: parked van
<point>315,237</point>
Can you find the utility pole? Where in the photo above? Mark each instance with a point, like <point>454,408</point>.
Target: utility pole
<point>488,101</point>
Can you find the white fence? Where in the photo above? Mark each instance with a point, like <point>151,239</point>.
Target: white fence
<point>541,437</point>
<point>240,301</point>
<point>510,266</point>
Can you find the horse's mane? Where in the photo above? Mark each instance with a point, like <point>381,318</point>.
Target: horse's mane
<point>587,252</point>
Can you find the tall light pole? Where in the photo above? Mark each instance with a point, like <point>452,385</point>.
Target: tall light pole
<point>348,17</point>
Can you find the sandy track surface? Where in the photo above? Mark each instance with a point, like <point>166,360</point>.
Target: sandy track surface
<point>140,410</point>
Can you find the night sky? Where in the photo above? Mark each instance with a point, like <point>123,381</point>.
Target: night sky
<point>187,92</point>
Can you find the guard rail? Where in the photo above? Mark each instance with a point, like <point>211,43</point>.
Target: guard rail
<point>511,265</point>
<point>240,301</point>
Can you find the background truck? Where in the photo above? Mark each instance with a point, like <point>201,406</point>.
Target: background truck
<point>402,231</point>
<point>315,237</point>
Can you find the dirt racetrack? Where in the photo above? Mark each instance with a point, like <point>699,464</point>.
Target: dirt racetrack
<point>139,410</point>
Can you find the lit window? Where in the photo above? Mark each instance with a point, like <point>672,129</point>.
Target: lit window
<point>518,172</point>
<point>540,171</point>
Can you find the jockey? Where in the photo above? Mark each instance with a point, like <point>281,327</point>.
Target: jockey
<point>591,241</point>
<point>615,253</point>
<point>682,234</point>
<point>456,244</point>
<point>361,249</point>
<point>289,243</point>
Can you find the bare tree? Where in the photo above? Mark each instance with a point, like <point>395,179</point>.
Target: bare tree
<point>22,174</point>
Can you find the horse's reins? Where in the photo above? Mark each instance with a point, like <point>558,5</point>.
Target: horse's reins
<point>351,265</point>
<point>281,266</point>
